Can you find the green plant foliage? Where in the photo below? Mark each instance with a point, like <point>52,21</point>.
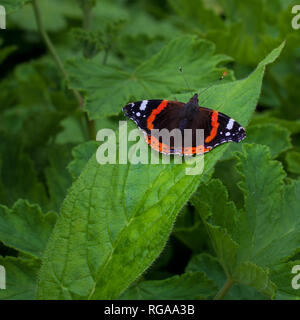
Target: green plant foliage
<point>271,135</point>
<point>113,220</point>
<point>190,285</point>
<point>21,278</point>
<point>26,228</point>
<point>262,235</point>
<point>212,268</point>
<point>117,85</point>
<point>13,5</point>
<point>293,162</point>
<point>71,228</point>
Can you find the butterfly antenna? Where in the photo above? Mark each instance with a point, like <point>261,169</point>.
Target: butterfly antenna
<point>181,71</point>
<point>224,74</point>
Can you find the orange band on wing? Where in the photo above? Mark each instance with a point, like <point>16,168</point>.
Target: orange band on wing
<point>161,147</point>
<point>157,145</point>
<point>215,125</point>
<point>155,112</point>
<point>194,150</point>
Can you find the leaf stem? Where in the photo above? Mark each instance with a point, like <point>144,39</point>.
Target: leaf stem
<point>224,290</point>
<point>86,23</point>
<point>51,48</point>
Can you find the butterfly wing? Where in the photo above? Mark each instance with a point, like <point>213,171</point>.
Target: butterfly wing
<point>154,114</point>
<point>166,114</point>
<point>218,128</point>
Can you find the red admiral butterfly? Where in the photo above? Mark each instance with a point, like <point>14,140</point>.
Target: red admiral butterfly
<point>160,114</point>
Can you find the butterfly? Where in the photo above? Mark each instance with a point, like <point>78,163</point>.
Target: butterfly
<point>166,114</point>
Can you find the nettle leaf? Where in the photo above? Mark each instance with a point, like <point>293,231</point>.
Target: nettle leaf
<point>226,171</point>
<point>272,219</point>
<point>117,218</point>
<point>277,138</point>
<point>212,268</point>
<point>262,235</point>
<point>26,228</point>
<point>21,278</point>
<point>109,88</point>
<point>188,286</point>
<point>222,229</point>
<point>292,126</point>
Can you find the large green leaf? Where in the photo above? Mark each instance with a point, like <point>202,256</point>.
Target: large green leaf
<point>26,228</point>
<point>109,88</point>
<point>272,219</point>
<point>116,218</point>
<point>266,232</point>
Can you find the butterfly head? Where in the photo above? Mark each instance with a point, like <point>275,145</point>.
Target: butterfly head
<point>194,99</point>
<point>191,107</point>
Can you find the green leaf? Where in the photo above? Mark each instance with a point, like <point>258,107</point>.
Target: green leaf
<point>282,275</point>
<point>57,176</point>
<point>21,278</point>
<point>266,232</point>
<point>6,51</point>
<point>270,230</point>
<point>225,243</point>
<point>206,201</point>
<point>53,15</point>
<point>157,77</point>
<point>26,228</point>
<point>18,178</point>
<point>194,15</point>
<point>275,137</point>
<point>293,161</point>
<point>188,286</point>
<point>226,171</point>
<point>250,31</point>
<point>189,229</point>
<point>81,154</point>
<point>292,126</point>
<point>116,218</point>
<point>13,5</point>
<point>214,271</point>
<point>73,131</point>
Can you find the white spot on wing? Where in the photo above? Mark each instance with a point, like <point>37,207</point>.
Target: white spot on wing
<point>230,124</point>
<point>138,114</point>
<point>227,134</point>
<point>143,105</point>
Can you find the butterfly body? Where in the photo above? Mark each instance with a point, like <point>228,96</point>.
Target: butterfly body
<point>166,114</point>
